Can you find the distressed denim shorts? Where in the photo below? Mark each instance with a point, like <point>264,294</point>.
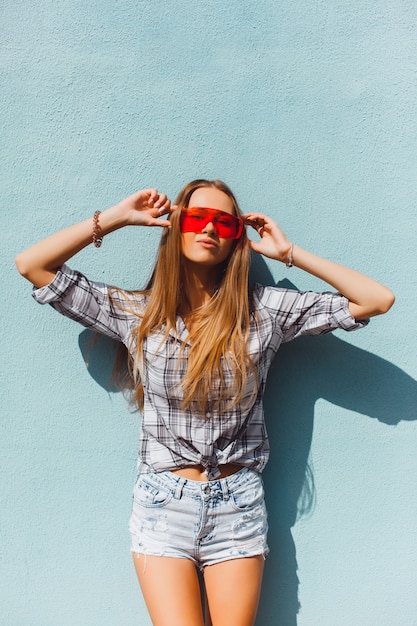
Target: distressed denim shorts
<point>206,522</point>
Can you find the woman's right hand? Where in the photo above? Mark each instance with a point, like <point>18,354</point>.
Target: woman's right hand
<point>145,208</point>
<point>40,262</point>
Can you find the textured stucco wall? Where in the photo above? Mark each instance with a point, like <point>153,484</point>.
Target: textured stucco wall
<point>308,110</point>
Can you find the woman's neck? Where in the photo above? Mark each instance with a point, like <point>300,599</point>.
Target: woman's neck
<point>200,283</point>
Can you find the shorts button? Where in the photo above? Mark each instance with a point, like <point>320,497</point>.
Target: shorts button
<point>206,489</point>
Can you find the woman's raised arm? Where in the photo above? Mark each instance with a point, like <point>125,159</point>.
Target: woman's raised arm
<point>40,262</point>
<point>366,296</point>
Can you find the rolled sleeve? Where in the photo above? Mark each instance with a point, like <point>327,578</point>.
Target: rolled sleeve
<point>64,279</point>
<point>307,313</point>
<point>343,318</point>
<point>87,302</point>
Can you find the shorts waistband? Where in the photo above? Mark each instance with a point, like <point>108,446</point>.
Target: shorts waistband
<point>205,489</point>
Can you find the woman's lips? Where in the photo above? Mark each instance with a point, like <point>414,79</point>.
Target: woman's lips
<point>208,243</point>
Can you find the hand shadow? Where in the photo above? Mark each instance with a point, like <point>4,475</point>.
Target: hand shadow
<point>303,371</point>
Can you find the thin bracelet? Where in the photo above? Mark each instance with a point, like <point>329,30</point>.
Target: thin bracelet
<point>289,262</point>
<point>97,236</point>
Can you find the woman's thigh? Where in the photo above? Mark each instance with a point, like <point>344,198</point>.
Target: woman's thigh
<point>220,526</point>
<point>232,589</point>
<point>171,590</point>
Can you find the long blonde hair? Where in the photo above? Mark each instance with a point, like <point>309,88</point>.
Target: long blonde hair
<point>218,331</point>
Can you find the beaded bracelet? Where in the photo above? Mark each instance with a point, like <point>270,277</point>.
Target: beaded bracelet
<point>97,236</point>
<point>289,262</point>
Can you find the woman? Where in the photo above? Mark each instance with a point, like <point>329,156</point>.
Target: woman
<point>200,345</point>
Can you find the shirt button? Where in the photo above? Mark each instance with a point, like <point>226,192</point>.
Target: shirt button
<point>208,414</point>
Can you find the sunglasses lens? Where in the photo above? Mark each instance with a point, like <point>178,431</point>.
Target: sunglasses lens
<point>227,226</point>
<point>193,220</point>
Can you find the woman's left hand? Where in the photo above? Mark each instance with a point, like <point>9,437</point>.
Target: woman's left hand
<point>273,243</point>
<point>366,296</point>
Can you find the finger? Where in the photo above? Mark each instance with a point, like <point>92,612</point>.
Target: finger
<point>161,200</point>
<point>163,210</point>
<point>254,246</point>
<point>255,216</point>
<point>160,222</point>
<point>254,220</point>
<point>153,195</point>
<point>257,225</point>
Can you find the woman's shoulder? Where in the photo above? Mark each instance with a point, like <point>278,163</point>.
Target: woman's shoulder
<point>261,293</point>
<point>74,286</point>
<point>272,299</point>
<point>134,299</point>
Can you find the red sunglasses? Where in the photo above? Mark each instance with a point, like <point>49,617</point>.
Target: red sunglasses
<point>195,219</point>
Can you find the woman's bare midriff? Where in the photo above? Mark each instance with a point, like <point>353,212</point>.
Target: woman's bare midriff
<point>198,472</point>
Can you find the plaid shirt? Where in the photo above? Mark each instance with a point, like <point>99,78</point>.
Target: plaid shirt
<point>170,437</point>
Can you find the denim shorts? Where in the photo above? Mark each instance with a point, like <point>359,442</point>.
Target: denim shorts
<point>206,522</point>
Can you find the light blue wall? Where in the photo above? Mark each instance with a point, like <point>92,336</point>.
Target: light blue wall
<point>308,110</point>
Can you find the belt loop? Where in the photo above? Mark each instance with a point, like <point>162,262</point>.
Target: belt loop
<point>180,486</point>
<point>225,489</point>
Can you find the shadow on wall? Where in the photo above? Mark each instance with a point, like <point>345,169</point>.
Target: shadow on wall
<point>303,371</point>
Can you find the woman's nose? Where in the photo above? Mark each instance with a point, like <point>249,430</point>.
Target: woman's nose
<point>209,228</point>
